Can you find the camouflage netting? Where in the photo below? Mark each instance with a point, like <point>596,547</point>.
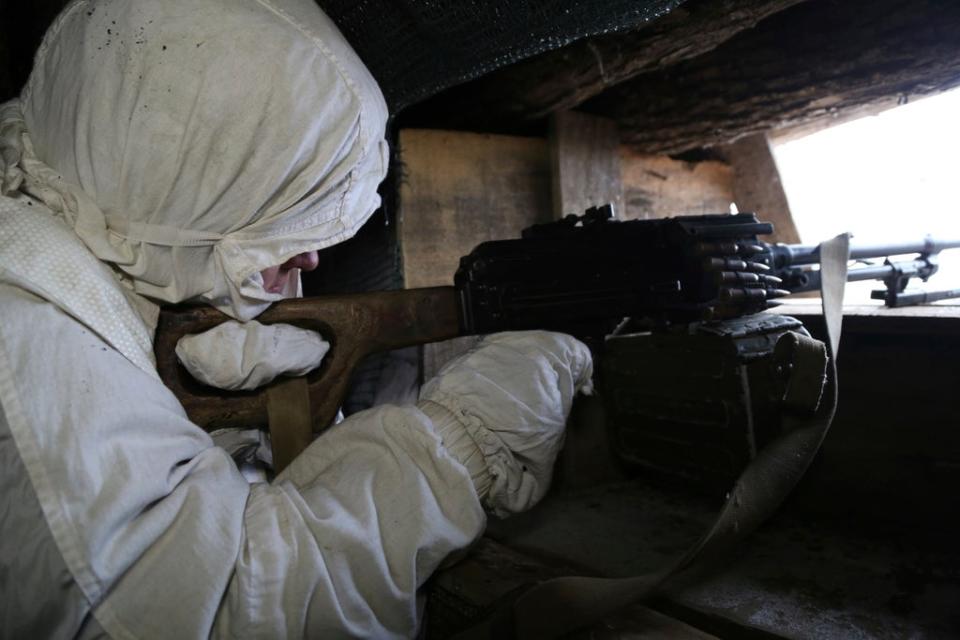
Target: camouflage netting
<point>416,48</point>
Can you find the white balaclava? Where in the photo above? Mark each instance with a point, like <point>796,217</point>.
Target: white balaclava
<point>194,143</point>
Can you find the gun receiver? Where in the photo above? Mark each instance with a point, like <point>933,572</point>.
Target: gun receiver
<point>584,274</point>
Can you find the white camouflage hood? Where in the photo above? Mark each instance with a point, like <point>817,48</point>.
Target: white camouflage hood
<point>194,143</point>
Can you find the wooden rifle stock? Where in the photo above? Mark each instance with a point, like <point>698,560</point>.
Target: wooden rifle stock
<point>355,325</point>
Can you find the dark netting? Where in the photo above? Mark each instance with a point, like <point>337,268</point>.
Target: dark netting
<point>416,48</point>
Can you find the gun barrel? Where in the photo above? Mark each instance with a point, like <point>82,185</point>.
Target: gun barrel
<point>928,246</point>
<point>915,297</point>
<point>785,255</point>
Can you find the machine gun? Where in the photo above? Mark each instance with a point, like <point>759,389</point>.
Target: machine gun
<point>707,274</point>
<point>694,385</point>
<point>582,275</point>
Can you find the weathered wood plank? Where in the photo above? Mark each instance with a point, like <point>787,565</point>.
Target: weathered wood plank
<point>659,186</point>
<point>757,186</point>
<point>943,309</point>
<point>458,190</point>
<point>813,61</point>
<point>585,157</point>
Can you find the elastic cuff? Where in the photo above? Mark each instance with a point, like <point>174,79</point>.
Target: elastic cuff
<point>458,442</point>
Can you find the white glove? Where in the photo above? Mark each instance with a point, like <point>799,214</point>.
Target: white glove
<point>247,355</point>
<point>501,410</point>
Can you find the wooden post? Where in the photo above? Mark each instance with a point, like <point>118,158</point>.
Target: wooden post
<point>585,160</point>
<point>757,186</point>
<point>461,189</point>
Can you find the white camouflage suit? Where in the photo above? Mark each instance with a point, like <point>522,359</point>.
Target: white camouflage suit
<point>169,151</point>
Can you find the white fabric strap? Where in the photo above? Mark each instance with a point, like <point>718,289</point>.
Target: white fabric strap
<point>834,256</point>
<point>136,231</point>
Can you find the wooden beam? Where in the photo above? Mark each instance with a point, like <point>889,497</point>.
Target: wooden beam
<point>562,79</point>
<point>814,61</point>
